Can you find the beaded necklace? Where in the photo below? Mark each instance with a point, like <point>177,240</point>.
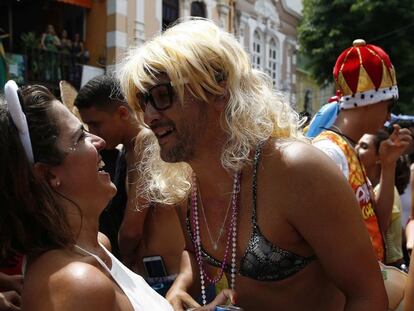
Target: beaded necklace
<point>231,237</point>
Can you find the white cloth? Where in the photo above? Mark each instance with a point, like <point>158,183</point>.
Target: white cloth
<point>406,205</point>
<point>139,293</point>
<point>333,151</point>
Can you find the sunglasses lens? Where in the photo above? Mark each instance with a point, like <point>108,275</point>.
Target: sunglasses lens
<point>162,96</point>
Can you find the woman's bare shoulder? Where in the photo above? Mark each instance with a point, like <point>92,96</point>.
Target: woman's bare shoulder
<point>57,281</point>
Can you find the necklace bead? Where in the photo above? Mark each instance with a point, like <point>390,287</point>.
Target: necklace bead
<point>231,237</point>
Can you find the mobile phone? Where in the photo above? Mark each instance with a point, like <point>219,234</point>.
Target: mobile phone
<point>154,266</point>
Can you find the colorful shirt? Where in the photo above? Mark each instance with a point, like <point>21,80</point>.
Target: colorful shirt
<point>361,187</point>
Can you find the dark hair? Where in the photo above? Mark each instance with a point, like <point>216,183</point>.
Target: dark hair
<point>103,92</point>
<point>379,137</point>
<point>402,174</point>
<point>31,220</point>
<point>402,169</point>
<point>402,123</point>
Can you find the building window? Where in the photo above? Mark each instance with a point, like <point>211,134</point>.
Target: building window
<point>272,66</point>
<point>257,51</point>
<point>169,12</point>
<point>198,9</point>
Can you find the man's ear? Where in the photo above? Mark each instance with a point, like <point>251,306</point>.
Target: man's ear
<point>43,173</point>
<point>123,112</point>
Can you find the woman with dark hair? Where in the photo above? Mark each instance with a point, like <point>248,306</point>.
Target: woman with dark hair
<point>53,190</point>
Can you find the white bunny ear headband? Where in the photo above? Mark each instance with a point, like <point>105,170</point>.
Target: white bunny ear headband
<point>19,118</point>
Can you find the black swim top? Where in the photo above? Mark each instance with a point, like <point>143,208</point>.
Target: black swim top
<point>262,261</point>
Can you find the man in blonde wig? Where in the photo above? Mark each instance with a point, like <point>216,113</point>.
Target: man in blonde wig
<point>228,153</point>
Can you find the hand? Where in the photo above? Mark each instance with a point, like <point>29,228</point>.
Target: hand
<point>10,301</point>
<point>221,299</point>
<point>392,148</point>
<point>180,300</point>
<point>11,282</point>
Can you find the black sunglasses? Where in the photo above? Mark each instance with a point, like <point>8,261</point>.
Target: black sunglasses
<point>160,96</point>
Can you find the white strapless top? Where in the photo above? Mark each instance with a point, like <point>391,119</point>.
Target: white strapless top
<point>139,293</point>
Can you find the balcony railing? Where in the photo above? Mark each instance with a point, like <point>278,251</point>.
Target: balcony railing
<point>49,67</point>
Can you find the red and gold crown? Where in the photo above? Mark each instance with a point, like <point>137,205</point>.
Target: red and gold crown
<point>364,75</point>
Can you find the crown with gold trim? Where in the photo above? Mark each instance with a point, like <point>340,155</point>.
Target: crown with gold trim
<point>364,75</point>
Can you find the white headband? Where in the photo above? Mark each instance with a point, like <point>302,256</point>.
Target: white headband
<point>19,118</point>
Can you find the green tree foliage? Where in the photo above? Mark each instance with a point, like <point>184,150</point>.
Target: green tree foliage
<point>329,26</point>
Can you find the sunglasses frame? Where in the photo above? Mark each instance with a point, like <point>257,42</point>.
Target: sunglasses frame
<point>145,98</point>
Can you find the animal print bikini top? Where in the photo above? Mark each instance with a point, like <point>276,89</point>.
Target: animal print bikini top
<point>262,260</point>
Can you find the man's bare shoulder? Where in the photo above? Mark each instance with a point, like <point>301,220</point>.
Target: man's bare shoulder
<point>302,164</point>
<point>57,282</point>
<point>293,154</point>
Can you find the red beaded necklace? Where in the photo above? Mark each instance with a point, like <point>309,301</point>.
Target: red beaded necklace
<point>231,237</point>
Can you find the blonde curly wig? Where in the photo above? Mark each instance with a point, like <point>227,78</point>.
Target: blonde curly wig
<point>199,52</point>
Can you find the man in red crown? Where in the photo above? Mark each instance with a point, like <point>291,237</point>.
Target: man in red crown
<point>365,79</point>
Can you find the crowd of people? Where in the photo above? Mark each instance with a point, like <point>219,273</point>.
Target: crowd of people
<point>63,55</point>
<point>188,183</point>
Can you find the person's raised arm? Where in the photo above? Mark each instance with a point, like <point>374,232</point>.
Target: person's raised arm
<point>390,150</point>
<point>327,215</point>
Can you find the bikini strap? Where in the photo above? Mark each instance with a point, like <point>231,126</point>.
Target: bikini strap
<point>254,186</point>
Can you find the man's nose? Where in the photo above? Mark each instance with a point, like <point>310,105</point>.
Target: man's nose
<point>151,114</point>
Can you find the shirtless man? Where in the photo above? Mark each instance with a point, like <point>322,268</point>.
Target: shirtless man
<point>144,231</point>
<point>255,212</point>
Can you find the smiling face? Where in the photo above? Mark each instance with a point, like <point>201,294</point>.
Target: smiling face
<point>182,128</point>
<point>79,176</point>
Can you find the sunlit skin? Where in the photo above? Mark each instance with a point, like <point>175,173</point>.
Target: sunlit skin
<point>285,221</point>
<point>181,143</point>
<point>369,157</point>
<point>144,231</point>
<point>63,279</point>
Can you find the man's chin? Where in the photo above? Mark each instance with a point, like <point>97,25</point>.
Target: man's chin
<point>173,156</point>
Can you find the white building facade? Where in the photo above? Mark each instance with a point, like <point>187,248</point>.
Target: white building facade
<point>266,28</point>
